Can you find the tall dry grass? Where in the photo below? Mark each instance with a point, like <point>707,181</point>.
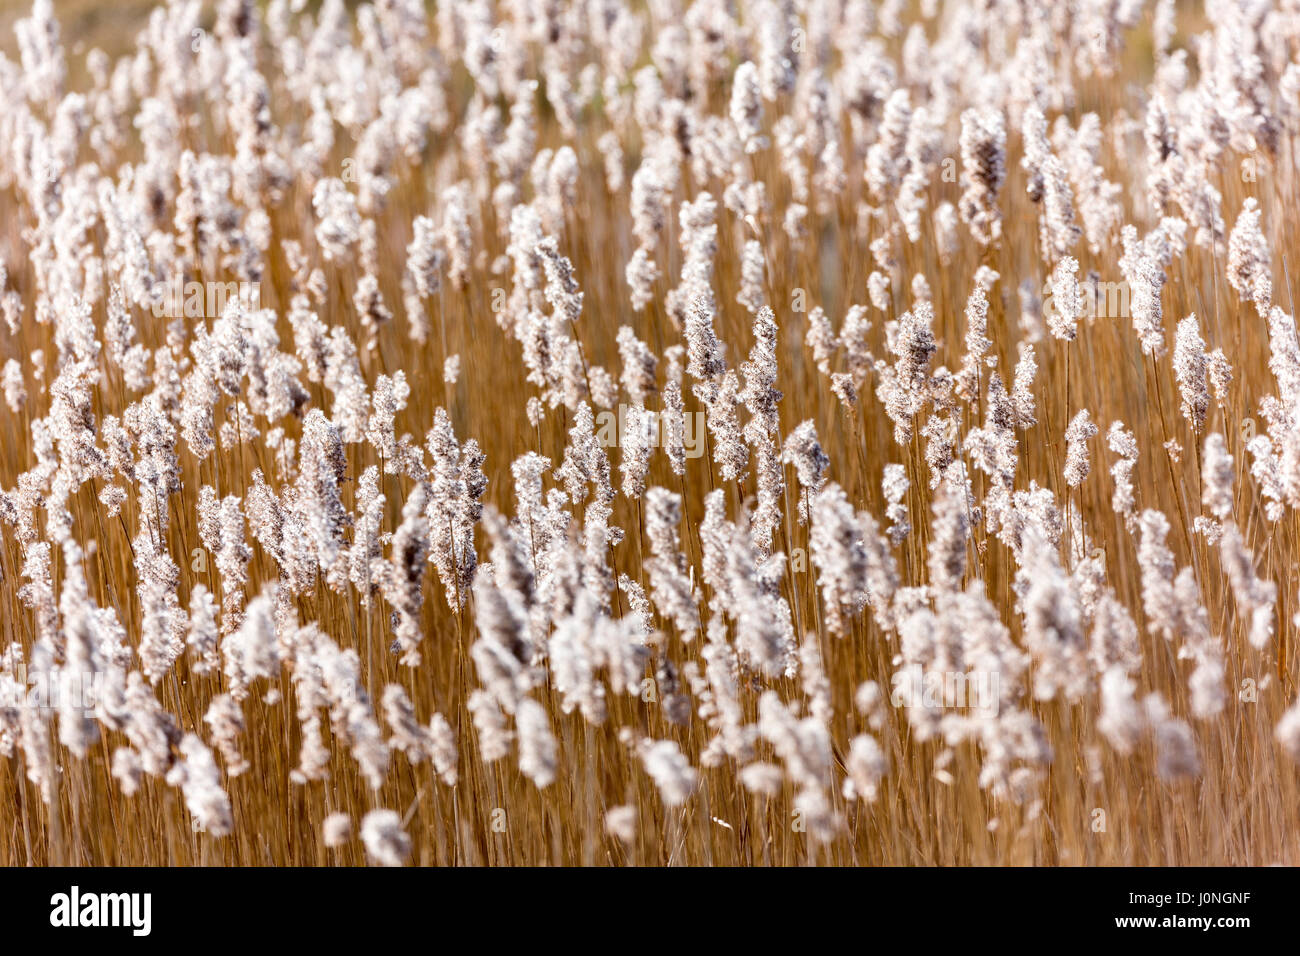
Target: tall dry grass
<point>1083,801</point>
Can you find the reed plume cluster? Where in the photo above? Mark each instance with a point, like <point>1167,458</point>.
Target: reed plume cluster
<point>719,432</point>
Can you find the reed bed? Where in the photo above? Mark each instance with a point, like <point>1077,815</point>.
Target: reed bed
<point>694,432</point>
